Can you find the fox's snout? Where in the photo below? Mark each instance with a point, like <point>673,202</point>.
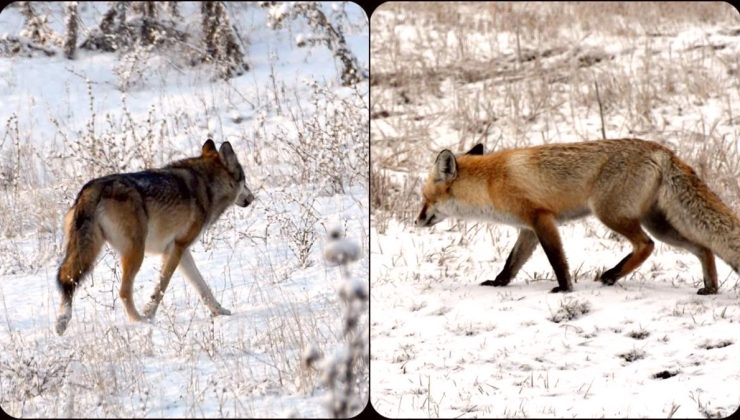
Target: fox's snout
<point>426,218</point>
<point>419,222</point>
<point>422,223</point>
<point>421,218</point>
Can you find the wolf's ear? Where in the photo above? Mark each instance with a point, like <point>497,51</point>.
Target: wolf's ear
<point>208,147</point>
<point>445,166</point>
<point>228,157</point>
<point>476,150</point>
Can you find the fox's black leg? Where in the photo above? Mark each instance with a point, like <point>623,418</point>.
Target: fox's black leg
<point>523,249</point>
<point>547,233</point>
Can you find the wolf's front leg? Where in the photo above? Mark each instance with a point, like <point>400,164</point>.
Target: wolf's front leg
<point>195,279</point>
<point>170,260</point>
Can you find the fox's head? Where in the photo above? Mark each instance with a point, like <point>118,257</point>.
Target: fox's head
<point>436,190</point>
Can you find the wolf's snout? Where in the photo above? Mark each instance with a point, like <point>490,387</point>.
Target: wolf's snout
<point>245,200</point>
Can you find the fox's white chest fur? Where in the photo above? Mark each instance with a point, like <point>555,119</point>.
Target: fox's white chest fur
<point>488,213</point>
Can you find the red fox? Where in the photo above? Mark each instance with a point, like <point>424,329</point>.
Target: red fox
<point>628,184</point>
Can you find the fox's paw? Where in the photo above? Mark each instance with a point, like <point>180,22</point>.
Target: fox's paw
<point>707,291</point>
<point>608,278</point>
<point>495,283</point>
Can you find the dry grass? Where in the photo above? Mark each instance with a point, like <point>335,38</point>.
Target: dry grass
<point>513,74</point>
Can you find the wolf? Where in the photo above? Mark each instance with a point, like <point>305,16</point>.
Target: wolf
<point>628,184</point>
<point>160,211</point>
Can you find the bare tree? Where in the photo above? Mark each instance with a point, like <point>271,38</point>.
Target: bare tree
<point>209,23</point>
<point>220,40</point>
<point>149,17</point>
<point>112,32</point>
<point>118,30</point>
<point>325,33</point>
<point>174,10</point>
<point>36,26</point>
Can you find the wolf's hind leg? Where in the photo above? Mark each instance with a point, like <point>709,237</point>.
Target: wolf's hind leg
<point>658,225</point>
<point>195,279</point>
<point>131,262</point>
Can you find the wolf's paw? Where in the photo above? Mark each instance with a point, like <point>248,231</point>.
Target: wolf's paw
<point>498,282</point>
<point>220,310</point>
<point>61,324</point>
<point>150,309</point>
<point>707,291</point>
<point>495,283</point>
<point>561,289</point>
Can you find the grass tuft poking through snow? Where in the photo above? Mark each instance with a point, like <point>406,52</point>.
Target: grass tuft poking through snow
<point>570,309</point>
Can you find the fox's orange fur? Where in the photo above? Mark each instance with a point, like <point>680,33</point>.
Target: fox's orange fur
<point>628,184</point>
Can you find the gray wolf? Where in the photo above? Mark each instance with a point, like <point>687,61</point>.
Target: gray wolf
<point>628,184</point>
<point>160,211</point>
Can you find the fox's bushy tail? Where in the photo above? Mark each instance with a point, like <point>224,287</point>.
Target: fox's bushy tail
<point>83,241</point>
<point>697,212</point>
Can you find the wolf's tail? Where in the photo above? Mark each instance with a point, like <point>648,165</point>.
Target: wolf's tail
<point>697,212</point>
<point>83,241</point>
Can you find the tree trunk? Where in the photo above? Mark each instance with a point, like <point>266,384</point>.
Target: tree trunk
<point>70,38</point>
<point>148,18</point>
<point>220,40</point>
<point>210,20</point>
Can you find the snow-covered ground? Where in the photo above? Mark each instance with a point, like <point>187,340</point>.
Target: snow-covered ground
<point>514,74</point>
<point>303,142</point>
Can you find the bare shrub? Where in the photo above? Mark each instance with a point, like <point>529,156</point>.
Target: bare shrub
<point>344,372</point>
<point>331,149</point>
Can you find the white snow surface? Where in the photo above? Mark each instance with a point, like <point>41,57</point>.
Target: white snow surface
<point>185,363</point>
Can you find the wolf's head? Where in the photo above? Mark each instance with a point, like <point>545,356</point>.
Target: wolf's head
<point>237,181</point>
<point>436,190</point>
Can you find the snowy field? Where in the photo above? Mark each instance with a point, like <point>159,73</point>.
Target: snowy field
<point>515,74</point>
<point>302,139</point>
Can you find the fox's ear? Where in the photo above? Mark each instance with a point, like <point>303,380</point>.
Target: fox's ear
<point>208,147</point>
<point>476,150</point>
<point>228,157</point>
<point>446,166</point>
